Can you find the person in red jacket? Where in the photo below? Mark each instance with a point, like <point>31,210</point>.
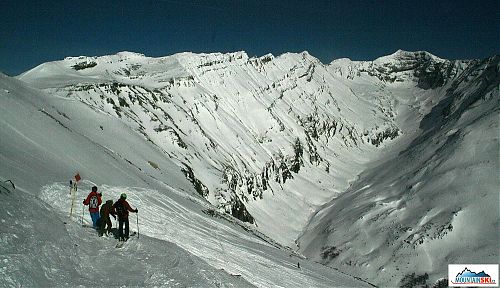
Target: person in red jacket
<point>93,200</point>
<point>122,208</point>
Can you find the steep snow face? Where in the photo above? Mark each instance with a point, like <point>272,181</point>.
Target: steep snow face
<point>46,137</point>
<point>183,241</point>
<point>434,203</point>
<point>261,138</point>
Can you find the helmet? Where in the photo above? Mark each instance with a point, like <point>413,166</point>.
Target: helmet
<point>124,196</point>
<point>94,188</point>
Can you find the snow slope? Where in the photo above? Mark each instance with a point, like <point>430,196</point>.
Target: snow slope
<point>38,250</point>
<point>46,139</point>
<point>255,135</point>
<point>353,164</point>
<point>434,203</point>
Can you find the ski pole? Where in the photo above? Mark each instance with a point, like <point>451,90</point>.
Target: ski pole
<point>83,212</point>
<point>137,214</point>
<point>72,193</point>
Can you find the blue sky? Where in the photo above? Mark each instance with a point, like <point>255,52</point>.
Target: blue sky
<point>33,32</point>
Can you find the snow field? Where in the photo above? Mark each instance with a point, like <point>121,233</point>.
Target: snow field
<point>224,245</point>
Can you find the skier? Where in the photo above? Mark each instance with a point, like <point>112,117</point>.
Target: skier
<point>93,200</point>
<point>106,210</point>
<point>122,208</point>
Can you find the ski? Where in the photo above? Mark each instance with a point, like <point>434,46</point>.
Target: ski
<point>121,243</point>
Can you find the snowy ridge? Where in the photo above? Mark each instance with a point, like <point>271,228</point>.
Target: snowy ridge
<point>299,150</point>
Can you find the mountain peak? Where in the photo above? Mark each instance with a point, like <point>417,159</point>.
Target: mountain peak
<point>428,70</point>
<point>402,55</point>
<point>128,54</point>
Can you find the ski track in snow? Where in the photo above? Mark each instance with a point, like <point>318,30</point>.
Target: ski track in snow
<point>221,243</point>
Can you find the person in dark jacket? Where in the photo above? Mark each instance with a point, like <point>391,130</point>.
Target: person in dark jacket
<point>122,208</point>
<point>93,200</point>
<point>106,210</point>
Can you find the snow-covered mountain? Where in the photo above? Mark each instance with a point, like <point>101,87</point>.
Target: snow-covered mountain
<point>436,201</point>
<point>359,165</point>
<point>184,241</point>
<point>240,128</point>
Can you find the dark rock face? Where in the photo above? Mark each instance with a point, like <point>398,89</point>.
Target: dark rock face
<point>432,75</point>
<point>84,65</point>
<point>198,185</point>
<point>239,211</point>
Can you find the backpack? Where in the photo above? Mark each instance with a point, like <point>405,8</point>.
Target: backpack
<point>94,202</point>
<point>119,208</point>
<point>103,210</point>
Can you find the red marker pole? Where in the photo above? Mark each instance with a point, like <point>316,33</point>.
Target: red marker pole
<point>74,187</point>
